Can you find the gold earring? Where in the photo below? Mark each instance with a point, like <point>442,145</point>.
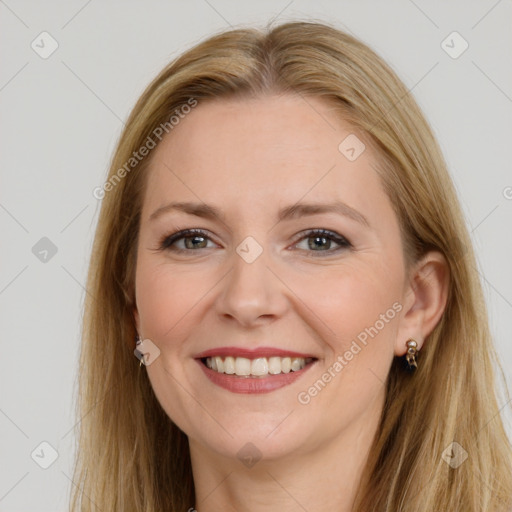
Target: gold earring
<point>410,356</point>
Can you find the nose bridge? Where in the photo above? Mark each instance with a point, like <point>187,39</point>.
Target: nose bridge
<point>251,290</point>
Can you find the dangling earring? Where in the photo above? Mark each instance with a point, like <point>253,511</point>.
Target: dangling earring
<point>138,341</point>
<point>410,356</point>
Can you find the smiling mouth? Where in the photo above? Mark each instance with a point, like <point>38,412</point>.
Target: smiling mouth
<point>258,367</point>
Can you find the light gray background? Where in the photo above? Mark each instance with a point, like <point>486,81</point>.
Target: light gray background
<point>61,117</point>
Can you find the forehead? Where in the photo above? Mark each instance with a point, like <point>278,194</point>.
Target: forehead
<point>283,128</point>
<point>262,150</point>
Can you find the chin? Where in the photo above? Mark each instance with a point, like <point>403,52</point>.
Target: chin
<point>256,438</point>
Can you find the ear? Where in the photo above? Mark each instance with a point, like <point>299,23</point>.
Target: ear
<point>424,299</point>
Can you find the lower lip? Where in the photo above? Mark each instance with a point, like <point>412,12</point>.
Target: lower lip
<point>249,385</point>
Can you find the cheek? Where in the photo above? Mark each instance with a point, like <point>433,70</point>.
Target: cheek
<point>167,297</point>
<point>360,307</point>
<point>353,300</point>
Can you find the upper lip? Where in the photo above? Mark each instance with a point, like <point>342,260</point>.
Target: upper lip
<point>253,353</point>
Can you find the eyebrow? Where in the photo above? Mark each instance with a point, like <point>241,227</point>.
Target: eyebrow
<point>290,212</point>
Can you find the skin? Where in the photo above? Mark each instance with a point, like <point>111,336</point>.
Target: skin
<point>250,158</point>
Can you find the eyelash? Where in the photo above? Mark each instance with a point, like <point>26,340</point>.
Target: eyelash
<point>167,241</point>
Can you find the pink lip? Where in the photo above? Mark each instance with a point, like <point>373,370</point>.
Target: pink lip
<point>250,353</point>
<point>251,384</point>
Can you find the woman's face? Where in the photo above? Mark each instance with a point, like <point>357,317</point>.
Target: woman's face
<point>307,321</point>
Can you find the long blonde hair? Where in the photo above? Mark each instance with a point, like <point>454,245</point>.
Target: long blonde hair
<point>130,456</point>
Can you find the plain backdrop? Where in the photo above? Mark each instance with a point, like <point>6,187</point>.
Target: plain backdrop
<point>61,115</point>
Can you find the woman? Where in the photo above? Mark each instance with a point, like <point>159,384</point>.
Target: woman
<point>281,238</point>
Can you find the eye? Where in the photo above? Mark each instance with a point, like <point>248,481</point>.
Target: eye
<point>192,239</point>
<point>318,241</point>
<point>322,240</point>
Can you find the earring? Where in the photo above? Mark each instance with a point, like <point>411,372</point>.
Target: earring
<point>410,356</point>
<point>138,342</point>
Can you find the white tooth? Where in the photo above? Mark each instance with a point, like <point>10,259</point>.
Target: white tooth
<point>297,363</point>
<point>220,364</point>
<point>242,366</point>
<point>229,365</point>
<point>274,365</point>
<point>259,366</point>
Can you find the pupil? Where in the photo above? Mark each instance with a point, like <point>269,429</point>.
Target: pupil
<point>322,239</point>
<point>190,241</point>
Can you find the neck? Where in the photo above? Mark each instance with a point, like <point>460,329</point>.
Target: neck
<point>325,477</point>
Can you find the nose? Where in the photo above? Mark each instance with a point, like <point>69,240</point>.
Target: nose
<point>252,293</point>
